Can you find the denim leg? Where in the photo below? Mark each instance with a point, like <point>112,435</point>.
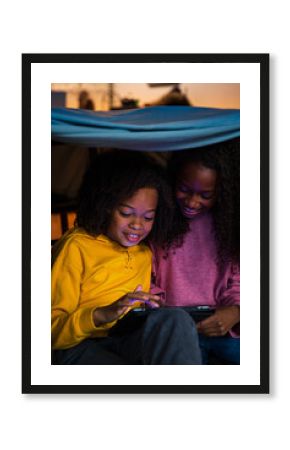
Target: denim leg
<point>89,352</point>
<point>224,347</point>
<point>166,337</point>
<point>227,348</point>
<point>204,348</point>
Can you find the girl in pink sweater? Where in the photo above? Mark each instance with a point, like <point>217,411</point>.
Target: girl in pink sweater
<point>200,266</point>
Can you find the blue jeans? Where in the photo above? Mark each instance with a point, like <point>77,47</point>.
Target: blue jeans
<point>224,348</point>
<point>165,337</point>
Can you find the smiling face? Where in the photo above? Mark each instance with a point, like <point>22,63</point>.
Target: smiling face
<point>195,189</point>
<point>133,219</point>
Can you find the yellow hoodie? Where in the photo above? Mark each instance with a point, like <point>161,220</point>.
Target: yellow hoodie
<point>90,272</point>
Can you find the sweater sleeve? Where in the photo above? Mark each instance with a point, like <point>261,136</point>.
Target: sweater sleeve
<point>71,323</point>
<point>230,295</point>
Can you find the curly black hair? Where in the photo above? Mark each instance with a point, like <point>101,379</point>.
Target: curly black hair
<point>225,159</point>
<point>113,178</point>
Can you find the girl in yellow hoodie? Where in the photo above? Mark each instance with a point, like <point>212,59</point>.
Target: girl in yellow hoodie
<point>101,269</point>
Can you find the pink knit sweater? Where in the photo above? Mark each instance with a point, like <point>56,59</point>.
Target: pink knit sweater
<point>191,276</point>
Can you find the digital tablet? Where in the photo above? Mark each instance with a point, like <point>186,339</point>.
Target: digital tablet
<point>136,317</point>
<point>198,313</point>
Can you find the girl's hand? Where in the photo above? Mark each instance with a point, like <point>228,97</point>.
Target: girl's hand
<point>124,304</point>
<point>220,323</point>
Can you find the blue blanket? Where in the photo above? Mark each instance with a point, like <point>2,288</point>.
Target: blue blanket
<point>157,128</point>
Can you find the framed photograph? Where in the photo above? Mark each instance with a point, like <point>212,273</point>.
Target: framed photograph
<point>76,105</point>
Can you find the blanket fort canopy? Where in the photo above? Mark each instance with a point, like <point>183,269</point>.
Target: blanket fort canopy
<point>158,128</point>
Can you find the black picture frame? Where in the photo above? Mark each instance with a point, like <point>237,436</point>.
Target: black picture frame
<point>262,60</point>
